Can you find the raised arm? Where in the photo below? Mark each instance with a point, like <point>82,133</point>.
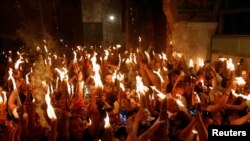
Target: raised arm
<point>241,120</point>
<point>149,132</point>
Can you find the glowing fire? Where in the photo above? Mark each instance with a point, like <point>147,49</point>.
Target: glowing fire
<point>19,61</point>
<point>246,97</point>
<point>240,81</point>
<point>159,93</point>
<point>139,85</point>
<point>122,87</point>
<point>200,62</point>
<point>4,96</point>
<point>96,69</point>
<point>106,120</point>
<point>12,79</point>
<point>197,97</point>
<point>50,109</point>
<point>178,100</point>
<point>164,56</point>
<point>1,100</point>
<point>191,63</point>
<point>230,64</point>
<point>62,73</point>
<point>147,55</point>
<point>158,73</point>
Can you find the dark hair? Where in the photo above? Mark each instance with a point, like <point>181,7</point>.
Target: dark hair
<point>121,132</point>
<point>183,117</point>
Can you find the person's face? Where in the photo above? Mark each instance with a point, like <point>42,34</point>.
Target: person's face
<point>107,88</point>
<point>108,79</point>
<point>77,128</point>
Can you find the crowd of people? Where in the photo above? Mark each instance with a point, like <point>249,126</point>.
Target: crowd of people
<point>107,94</point>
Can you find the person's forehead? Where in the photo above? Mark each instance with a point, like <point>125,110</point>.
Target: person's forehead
<point>108,76</point>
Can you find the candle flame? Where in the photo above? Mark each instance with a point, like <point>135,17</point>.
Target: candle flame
<point>191,63</point>
<point>164,56</point>
<point>120,77</point>
<point>197,97</point>
<point>178,101</point>
<point>90,122</point>
<point>75,57</point>
<point>4,96</point>
<point>118,46</point>
<point>147,55</point>
<point>246,97</point>
<point>222,59</point>
<point>106,120</point>
<point>50,109</point>
<point>62,73</point>
<point>122,87</point>
<point>230,64</point>
<point>96,69</point>
<point>114,76</point>
<point>12,79</point>
<point>27,78</point>
<point>1,100</point>
<point>200,62</point>
<point>139,85</point>
<point>18,62</point>
<point>158,73</point>
<point>159,93</point>
<point>240,81</point>
<point>179,55</point>
<point>134,58</point>
<point>106,52</point>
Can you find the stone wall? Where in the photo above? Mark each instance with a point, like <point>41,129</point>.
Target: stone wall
<point>96,14</point>
<point>193,38</point>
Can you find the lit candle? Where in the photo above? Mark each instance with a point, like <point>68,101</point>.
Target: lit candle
<point>191,63</point>
<point>140,91</point>
<point>51,114</point>
<point>14,87</point>
<point>241,83</point>
<point>108,134</point>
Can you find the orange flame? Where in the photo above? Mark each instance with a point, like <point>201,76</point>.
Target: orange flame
<point>159,93</point>
<point>191,63</point>
<point>200,62</point>
<point>106,120</point>
<point>96,68</point>
<point>158,73</point>
<point>12,79</point>
<point>18,62</point>
<point>50,109</point>
<point>139,85</point>
<point>246,97</point>
<point>230,64</point>
<point>240,81</point>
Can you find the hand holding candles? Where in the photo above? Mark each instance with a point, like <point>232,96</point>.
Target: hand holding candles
<point>108,134</point>
<point>51,115</point>
<point>3,100</point>
<point>241,83</point>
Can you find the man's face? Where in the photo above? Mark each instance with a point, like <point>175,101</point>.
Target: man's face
<point>108,79</point>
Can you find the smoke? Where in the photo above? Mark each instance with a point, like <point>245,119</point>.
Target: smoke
<point>33,36</point>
